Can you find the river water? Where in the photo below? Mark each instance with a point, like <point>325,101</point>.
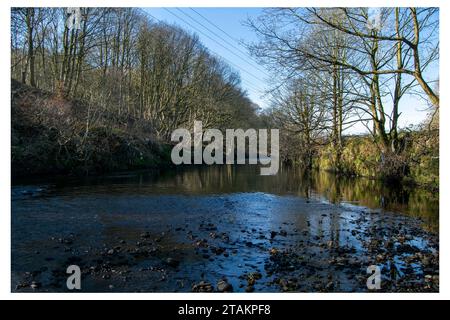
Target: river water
<point>198,227</point>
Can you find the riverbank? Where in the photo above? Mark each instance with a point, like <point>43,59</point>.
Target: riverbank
<point>54,135</point>
<point>417,164</point>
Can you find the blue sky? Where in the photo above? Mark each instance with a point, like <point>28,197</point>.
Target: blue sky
<point>255,79</point>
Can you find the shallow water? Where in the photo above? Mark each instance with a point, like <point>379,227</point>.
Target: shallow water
<point>292,229</point>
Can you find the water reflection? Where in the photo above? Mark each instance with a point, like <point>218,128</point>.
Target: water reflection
<point>245,178</point>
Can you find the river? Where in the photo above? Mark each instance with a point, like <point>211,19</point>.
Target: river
<point>222,228</point>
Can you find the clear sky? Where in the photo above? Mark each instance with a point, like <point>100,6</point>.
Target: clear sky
<point>221,30</point>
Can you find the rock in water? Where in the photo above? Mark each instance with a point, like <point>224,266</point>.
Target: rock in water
<point>249,289</point>
<point>172,262</point>
<point>145,235</point>
<point>35,285</point>
<point>224,286</point>
<point>202,287</point>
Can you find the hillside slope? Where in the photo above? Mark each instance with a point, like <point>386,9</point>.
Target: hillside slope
<point>54,135</point>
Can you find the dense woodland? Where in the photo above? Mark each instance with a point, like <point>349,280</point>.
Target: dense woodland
<point>107,95</point>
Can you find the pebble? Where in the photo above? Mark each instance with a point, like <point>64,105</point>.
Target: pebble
<point>172,262</point>
<point>224,286</point>
<point>249,289</point>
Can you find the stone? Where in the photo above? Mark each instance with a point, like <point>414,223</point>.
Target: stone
<point>249,289</point>
<point>224,286</point>
<point>172,262</point>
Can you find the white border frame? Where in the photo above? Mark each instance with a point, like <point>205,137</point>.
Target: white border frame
<point>5,143</point>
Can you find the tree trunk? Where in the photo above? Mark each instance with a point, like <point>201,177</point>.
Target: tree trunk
<point>30,28</point>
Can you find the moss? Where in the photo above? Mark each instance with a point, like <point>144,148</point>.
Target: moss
<point>417,164</point>
<point>358,157</point>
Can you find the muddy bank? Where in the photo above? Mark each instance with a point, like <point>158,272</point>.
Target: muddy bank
<point>134,237</point>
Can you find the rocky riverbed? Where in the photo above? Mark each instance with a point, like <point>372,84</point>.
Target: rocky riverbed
<point>133,241</point>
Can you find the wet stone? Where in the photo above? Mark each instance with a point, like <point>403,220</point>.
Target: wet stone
<point>172,262</point>
<point>224,286</point>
